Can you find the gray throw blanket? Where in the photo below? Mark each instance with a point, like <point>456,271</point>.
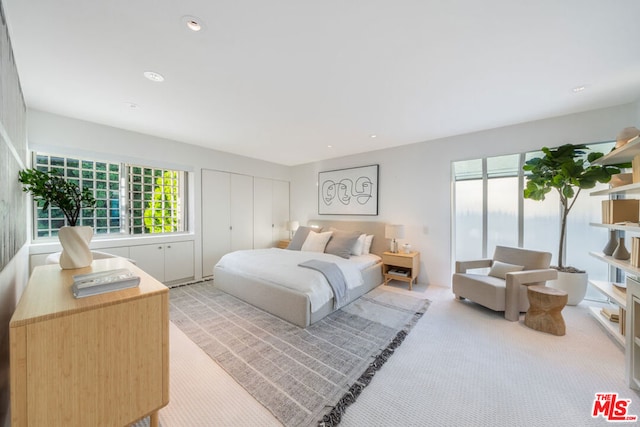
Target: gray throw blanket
<point>334,276</point>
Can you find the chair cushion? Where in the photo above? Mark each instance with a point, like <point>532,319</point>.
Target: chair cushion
<point>484,290</point>
<point>488,291</point>
<point>500,269</point>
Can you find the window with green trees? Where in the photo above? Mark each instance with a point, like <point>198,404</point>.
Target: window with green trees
<point>131,199</point>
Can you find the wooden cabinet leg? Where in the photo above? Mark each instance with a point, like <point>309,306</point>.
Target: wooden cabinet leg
<point>153,420</point>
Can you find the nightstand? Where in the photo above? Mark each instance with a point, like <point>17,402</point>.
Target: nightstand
<point>400,266</point>
<point>282,244</point>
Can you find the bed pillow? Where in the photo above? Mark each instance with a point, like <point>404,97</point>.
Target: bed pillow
<point>301,235</point>
<point>316,242</point>
<point>366,249</point>
<point>341,243</point>
<point>500,269</point>
<point>358,246</point>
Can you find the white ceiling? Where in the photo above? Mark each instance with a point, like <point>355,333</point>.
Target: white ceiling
<point>281,80</point>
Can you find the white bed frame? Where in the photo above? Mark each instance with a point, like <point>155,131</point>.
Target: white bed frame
<point>294,306</point>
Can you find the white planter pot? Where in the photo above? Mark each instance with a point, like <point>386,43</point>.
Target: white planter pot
<point>75,247</point>
<point>574,284</point>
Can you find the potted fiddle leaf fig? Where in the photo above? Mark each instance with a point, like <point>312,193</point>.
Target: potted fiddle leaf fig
<point>52,189</point>
<point>567,170</point>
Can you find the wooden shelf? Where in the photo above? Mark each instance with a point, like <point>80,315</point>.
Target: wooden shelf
<point>615,295</point>
<point>612,328</point>
<point>624,154</point>
<point>622,265</point>
<point>623,189</point>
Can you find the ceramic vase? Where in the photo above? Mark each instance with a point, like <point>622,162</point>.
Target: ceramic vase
<point>75,247</point>
<point>621,251</point>
<point>612,244</point>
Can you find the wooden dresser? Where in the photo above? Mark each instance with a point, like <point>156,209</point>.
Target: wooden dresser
<point>102,360</point>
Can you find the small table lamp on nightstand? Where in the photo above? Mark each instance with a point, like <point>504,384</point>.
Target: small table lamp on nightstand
<point>393,232</point>
<point>292,226</point>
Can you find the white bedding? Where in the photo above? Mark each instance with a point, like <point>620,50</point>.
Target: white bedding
<point>280,266</point>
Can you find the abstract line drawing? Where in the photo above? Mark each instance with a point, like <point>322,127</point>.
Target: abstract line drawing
<point>352,191</point>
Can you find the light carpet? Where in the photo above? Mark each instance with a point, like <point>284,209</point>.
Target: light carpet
<point>298,374</point>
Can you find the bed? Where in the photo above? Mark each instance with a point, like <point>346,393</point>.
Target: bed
<point>272,280</point>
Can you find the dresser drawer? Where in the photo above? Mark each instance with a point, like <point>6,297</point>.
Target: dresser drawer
<point>397,260</point>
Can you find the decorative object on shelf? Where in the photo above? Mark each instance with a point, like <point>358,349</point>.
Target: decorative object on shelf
<point>634,259</point>
<point>612,244</point>
<point>567,169</point>
<point>620,179</point>
<point>292,226</point>
<point>620,210</point>
<point>626,135</point>
<point>51,189</point>
<point>393,232</point>
<point>406,248</point>
<point>621,251</point>
<point>348,191</point>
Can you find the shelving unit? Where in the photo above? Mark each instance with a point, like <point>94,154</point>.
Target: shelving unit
<point>617,297</point>
<point>628,301</point>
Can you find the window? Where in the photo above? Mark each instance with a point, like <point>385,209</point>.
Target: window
<point>130,199</point>
<point>489,210</point>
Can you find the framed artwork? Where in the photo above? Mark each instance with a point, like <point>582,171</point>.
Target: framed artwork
<point>351,191</point>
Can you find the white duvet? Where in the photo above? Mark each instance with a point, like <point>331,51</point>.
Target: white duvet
<point>280,266</point>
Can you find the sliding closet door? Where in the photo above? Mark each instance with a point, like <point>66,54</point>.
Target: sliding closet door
<point>216,218</point>
<point>280,210</point>
<point>241,212</point>
<point>262,224</point>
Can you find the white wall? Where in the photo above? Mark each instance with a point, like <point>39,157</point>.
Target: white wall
<point>415,180</point>
<point>66,136</point>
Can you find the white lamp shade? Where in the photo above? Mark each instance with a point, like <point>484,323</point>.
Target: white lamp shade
<point>394,231</point>
<point>293,225</point>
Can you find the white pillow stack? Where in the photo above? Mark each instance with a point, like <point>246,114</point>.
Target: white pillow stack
<point>362,245</point>
<point>358,246</point>
<point>367,244</point>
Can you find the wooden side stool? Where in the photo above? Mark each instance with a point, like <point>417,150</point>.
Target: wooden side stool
<point>545,306</point>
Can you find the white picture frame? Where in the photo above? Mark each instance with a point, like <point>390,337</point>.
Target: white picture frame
<point>352,191</point>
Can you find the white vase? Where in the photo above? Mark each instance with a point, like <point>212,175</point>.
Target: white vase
<point>75,247</point>
<point>574,284</point>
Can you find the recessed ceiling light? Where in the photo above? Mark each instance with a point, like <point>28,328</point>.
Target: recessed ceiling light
<point>578,89</point>
<point>193,23</point>
<point>329,146</point>
<point>153,76</point>
<point>374,136</point>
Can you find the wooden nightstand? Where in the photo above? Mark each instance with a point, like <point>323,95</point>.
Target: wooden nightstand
<point>282,244</point>
<point>409,263</point>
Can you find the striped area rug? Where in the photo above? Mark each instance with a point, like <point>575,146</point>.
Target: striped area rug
<point>303,376</point>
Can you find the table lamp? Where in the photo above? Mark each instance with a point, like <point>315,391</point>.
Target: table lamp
<point>292,226</point>
<point>393,232</point>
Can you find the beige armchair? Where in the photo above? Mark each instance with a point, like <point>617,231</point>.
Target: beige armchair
<point>504,288</point>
